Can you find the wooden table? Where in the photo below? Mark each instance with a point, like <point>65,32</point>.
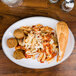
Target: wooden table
<point>36,8</point>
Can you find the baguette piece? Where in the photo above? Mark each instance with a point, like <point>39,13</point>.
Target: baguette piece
<point>62,36</point>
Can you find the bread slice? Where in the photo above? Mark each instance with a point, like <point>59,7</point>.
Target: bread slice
<point>62,36</point>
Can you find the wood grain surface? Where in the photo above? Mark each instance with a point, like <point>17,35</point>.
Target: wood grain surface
<point>36,8</point>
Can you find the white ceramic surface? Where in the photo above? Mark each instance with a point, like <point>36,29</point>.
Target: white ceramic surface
<point>30,63</point>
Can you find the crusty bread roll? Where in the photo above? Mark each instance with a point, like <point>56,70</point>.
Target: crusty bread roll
<point>62,36</point>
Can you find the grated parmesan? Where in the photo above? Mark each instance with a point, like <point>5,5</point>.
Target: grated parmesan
<point>33,41</point>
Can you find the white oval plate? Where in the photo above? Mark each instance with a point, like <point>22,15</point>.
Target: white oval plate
<point>30,63</point>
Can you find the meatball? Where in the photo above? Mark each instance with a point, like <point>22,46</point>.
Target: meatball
<point>18,33</point>
<point>18,54</point>
<point>12,42</point>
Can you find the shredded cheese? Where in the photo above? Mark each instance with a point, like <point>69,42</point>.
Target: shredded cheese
<point>33,41</point>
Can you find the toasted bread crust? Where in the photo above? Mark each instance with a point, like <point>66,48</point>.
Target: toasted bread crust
<point>62,36</point>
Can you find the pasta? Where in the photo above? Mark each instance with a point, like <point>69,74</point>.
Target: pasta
<point>38,40</point>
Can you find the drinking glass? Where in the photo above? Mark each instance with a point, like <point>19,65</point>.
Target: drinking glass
<point>12,3</point>
<point>53,1</point>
